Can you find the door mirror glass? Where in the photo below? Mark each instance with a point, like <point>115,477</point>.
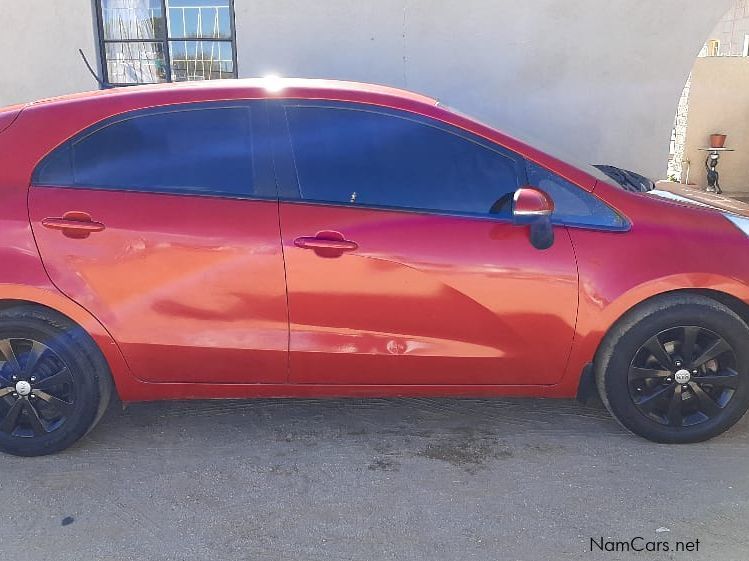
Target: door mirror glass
<point>533,207</point>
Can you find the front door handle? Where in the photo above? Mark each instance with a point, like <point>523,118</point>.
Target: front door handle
<point>74,224</point>
<point>326,243</point>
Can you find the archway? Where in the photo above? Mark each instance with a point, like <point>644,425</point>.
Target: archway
<point>716,100</point>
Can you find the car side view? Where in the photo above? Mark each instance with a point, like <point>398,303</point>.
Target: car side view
<point>310,238</point>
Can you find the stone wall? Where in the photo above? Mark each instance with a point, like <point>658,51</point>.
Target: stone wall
<point>732,30</point>
<point>676,160</point>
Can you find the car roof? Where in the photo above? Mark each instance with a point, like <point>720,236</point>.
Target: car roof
<point>73,113</point>
<point>268,87</point>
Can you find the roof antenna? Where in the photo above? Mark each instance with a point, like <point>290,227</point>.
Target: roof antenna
<point>99,81</point>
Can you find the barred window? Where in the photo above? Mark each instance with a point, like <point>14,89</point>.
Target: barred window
<point>151,41</point>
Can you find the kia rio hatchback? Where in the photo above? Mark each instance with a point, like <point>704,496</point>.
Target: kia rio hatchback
<point>316,239</point>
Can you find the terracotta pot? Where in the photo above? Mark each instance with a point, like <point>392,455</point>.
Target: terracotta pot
<point>717,140</point>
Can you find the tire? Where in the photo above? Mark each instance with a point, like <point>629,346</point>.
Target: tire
<point>54,382</point>
<point>676,398</point>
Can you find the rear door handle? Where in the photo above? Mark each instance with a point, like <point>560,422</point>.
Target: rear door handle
<point>326,239</point>
<point>74,224</point>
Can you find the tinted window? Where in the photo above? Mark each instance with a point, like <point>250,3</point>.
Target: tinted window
<point>196,150</point>
<point>573,205</point>
<point>362,157</point>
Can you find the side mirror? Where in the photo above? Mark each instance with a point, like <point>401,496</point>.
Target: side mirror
<point>533,207</point>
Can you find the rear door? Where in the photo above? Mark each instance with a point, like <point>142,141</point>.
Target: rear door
<point>164,224</point>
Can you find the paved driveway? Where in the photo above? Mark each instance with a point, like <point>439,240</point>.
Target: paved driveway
<point>413,479</point>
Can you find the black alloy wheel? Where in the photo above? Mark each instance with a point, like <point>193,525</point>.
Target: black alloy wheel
<point>37,389</point>
<point>54,381</point>
<point>683,376</point>
<point>675,368</point>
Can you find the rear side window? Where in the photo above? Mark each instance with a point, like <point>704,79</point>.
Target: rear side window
<point>364,157</point>
<point>207,150</point>
<point>573,206</point>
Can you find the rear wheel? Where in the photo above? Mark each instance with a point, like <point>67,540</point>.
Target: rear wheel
<point>676,369</point>
<point>54,384</point>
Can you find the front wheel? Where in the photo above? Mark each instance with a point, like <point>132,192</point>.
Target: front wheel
<point>54,384</point>
<point>676,369</point>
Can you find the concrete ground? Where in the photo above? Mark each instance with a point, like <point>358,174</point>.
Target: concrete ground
<point>411,479</point>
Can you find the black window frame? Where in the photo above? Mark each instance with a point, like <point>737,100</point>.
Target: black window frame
<point>164,44</point>
<point>263,168</point>
<point>288,179</point>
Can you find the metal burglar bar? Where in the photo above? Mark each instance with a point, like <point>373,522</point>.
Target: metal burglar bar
<point>150,41</point>
<point>201,59</point>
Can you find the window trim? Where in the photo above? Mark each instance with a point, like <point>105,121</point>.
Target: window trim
<point>262,165</point>
<point>103,41</point>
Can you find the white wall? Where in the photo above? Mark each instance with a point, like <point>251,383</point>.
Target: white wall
<point>599,78</point>
<point>39,40</point>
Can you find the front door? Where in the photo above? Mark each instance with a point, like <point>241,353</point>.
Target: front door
<point>164,225</point>
<point>397,272</point>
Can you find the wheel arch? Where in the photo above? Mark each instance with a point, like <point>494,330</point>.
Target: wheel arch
<point>735,304</point>
<point>585,389</point>
<point>111,355</point>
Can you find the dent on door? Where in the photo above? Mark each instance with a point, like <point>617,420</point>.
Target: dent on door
<point>426,299</point>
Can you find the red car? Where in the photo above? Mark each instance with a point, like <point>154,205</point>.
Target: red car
<point>292,238</point>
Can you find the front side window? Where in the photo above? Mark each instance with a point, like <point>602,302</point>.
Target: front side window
<point>362,157</point>
<point>151,41</point>
<point>207,151</point>
<point>573,206</point>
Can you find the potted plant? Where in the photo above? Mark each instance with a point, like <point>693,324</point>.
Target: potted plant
<point>717,140</point>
